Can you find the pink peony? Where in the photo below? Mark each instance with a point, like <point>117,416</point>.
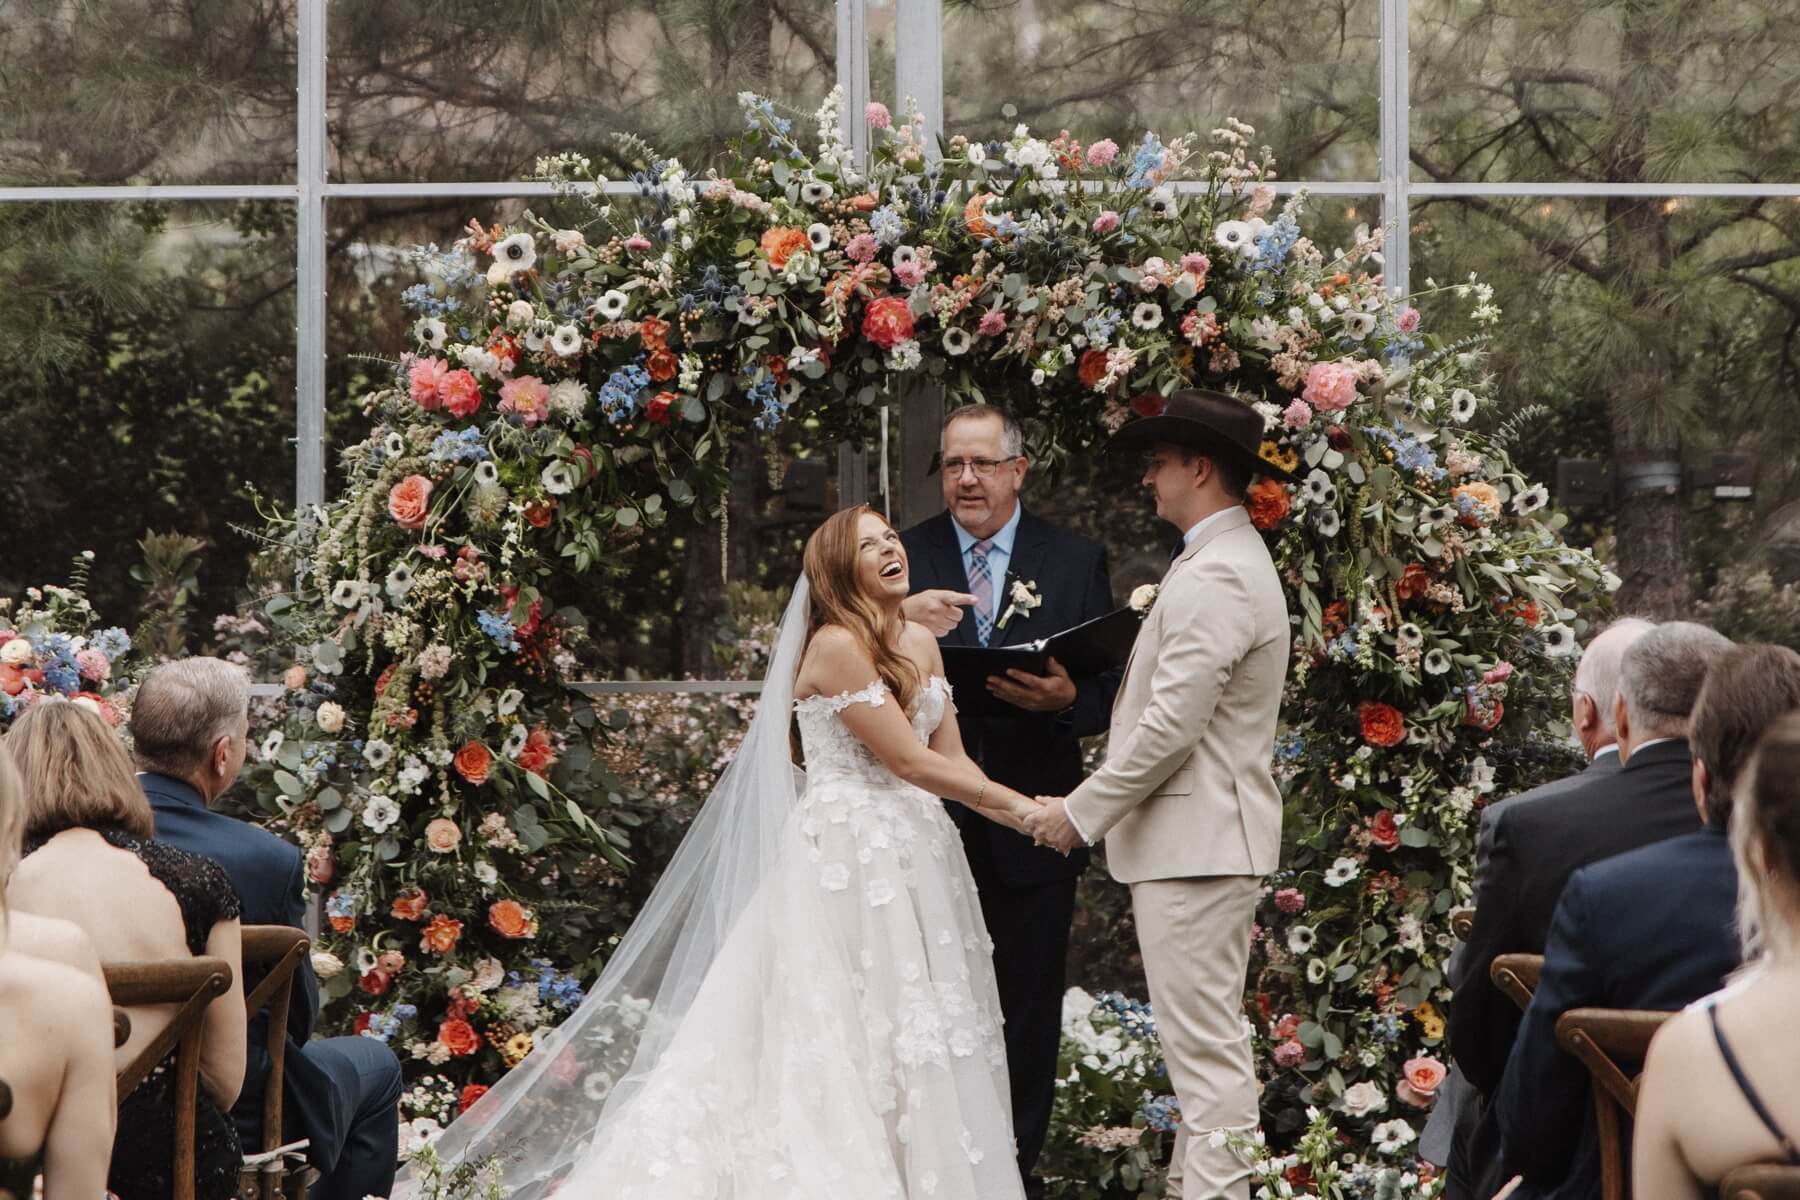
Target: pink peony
<point>528,396</point>
<point>426,378</point>
<point>1196,265</point>
<point>1296,415</point>
<point>1106,222</point>
<point>993,323</point>
<point>461,394</point>
<point>1102,152</point>
<point>93,665</point>
<point>1331,386</point>
<point>1290,901</point>
<point>1408,319</point>
<point>1290,1053</point>
<point>877,115</point>
<point>862,248</point>
<point>1419,1087</point>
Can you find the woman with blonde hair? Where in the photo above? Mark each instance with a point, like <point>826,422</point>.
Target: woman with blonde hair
<point>1721,1088</point>
<point>55,1041</point>
<point>91,859</point>
<point>805,1009</point>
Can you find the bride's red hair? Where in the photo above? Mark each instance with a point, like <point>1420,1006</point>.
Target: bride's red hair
<point>837,599</point>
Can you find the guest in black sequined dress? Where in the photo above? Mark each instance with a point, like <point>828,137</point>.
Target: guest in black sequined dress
<point>90,859</point>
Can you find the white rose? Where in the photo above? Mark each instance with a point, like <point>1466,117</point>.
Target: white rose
<point>1364,1098</point>
<point>326,964</point>
<point>16,652</point>
<point>330,716</point>
<point>520,313</point>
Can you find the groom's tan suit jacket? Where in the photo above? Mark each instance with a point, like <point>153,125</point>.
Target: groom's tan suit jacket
<point>1186,790</point>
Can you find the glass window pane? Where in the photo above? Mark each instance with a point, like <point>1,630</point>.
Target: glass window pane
<point>151,383</point>
<point>147,91</point>
<point>1605,90</point>
<point>1304,74</point>
<point>432,91</point>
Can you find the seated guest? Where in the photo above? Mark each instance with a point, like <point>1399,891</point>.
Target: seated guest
<point>55,1045</point>
<point>189,725</point>
<point>1651,928</point>
<point>1722,1087</point>
<point>1462,1133</point>
<point>89,858</point>
<point>1538,842</point>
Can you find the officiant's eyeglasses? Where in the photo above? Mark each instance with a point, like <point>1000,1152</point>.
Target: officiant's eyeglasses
<point>983,467</point>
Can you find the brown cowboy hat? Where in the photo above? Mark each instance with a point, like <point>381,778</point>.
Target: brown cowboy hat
<point>1210,422</point>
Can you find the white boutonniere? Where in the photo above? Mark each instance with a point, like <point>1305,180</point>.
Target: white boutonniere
<point>1142,597</point>
<point>1024,599</point>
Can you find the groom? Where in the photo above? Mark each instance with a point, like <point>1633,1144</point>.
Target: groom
<point>970,556</point>
<point>1185,800</point>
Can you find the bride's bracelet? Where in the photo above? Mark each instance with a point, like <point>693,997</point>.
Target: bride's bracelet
<point>979,793</point>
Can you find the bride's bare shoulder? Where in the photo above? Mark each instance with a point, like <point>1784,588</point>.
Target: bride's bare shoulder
<point>834,662</point>
<point>917,644</point>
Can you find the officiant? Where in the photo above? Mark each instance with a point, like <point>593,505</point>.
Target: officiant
<point>987,573</point>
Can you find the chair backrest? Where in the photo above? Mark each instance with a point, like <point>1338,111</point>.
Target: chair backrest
<point>1462,924</point>
<point>1610,1041</point>
<point>1516,975</point>
<point>5,1099</point>
<point>277,950</point>
<point>190,984</point>
<point>121,1027</point>
<point>1765,1181</point>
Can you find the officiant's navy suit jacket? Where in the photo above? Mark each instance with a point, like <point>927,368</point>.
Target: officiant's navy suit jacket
<point>1037,753</point>
<point>269,876</point>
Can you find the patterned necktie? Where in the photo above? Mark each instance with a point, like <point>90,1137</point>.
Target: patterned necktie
<point>981,584</point>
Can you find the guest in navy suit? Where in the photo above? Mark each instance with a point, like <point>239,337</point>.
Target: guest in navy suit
<point>1654,928</point>
<point>189,725</point>
<point>963,564</point>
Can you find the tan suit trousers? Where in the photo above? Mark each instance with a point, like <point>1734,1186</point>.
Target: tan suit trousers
<point>1195,938</point>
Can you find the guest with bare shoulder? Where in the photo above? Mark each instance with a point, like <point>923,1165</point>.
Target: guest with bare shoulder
<point>55,1042</point>
<point>1721,1088</point>
<point>90,858</point>
<point>876,652</point>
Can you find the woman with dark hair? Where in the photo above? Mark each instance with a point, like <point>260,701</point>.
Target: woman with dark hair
<point>805,1009</point>
<point>1721,1088</point>
<point>90,859</point>
<point>55,1041</point>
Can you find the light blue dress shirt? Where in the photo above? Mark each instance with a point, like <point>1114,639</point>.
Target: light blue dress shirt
<point>999,554</point>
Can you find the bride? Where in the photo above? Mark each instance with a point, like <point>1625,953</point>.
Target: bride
<point>805,1009</point>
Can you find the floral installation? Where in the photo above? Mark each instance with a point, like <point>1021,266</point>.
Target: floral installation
<point>1113,1120</point>
<point>1023,599</point>
<point>50,646</point>
<point>573,384</point>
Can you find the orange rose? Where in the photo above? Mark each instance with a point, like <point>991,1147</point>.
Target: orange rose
<point>1477,502</point>
<point>459,1037</point>
<point>342,924</point>
<point>1382,724</point>
<point>887,322</point>
<point>975,216</point>
<point>652,331</point>
<point>443,835</point>
<point>409,501</point>
<point>1269,503</point>
<point>509,918</point>
<point>538,754</point>
<point>1419,1087</point>
<point>1090,368</point>
<point>662,364</point>
<point>410,904</point>
<point>472,762</point>
<point>1384,831</point>
<point>441,936</point>
<point>781,243</point>
<point>470,1094</point>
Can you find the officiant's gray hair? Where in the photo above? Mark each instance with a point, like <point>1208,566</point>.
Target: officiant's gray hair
<point>1012,438</point>
<point>182,708</point>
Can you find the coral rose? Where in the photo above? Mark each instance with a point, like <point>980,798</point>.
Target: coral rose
<point>1330,386</point>
<point>472,762</point>
<point>887,322</point>
<point>652,331</point>
<point>1090,368</point>
<point>461,393</point>
<point>538,755</point>
<point>470,1094</point>
<point>528,396</point>
<point>1414,582</point>
<point>409,501</point>
<point>410,904</point>
<point>1476,503</point>
<point>441,935</point>
<point>424,381</point>
<point>660,408</point>
<point>781,243</point>
<point>1384,831</point>
<point>321,865</point>
<point>459,1037</point>
<point>443,835</point>
<point>509,918</point>
<point>1419,1087</point>
<point>1382,724</point>
<point>294,678</point>
<point>1269,502</point>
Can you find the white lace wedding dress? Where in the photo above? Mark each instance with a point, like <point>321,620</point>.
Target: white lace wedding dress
<point>845,1042</point>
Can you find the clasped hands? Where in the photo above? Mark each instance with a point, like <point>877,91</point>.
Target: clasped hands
<point>1050,825</point>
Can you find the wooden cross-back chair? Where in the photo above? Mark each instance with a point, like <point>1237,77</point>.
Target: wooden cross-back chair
<point>1611,1043</point>
<point>190,984</point>
<point>1764,1181</point>
<point>278,950</point>
<point>1516,975</point>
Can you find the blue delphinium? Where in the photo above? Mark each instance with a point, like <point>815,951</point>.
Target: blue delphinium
<point>1099,327</point>
<point>458,445</point>
<point>758,106</point>
<point>886,225</point>
<point>382,1027</point>
<point>618,395</point>
<point>499,627</point>
<point>1161,1113</point>
<point>1149,158</point>
<point>1276,241</point>
<point>763,398</point>
<point>112,642</point>
<point>1410,453</point>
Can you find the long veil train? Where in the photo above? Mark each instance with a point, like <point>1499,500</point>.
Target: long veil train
<point>540,1119</point>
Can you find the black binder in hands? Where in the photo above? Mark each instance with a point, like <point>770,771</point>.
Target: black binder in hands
<point>1084,650</point>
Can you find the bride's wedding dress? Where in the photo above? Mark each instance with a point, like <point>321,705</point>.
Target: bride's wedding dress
<point>805,1009</point>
